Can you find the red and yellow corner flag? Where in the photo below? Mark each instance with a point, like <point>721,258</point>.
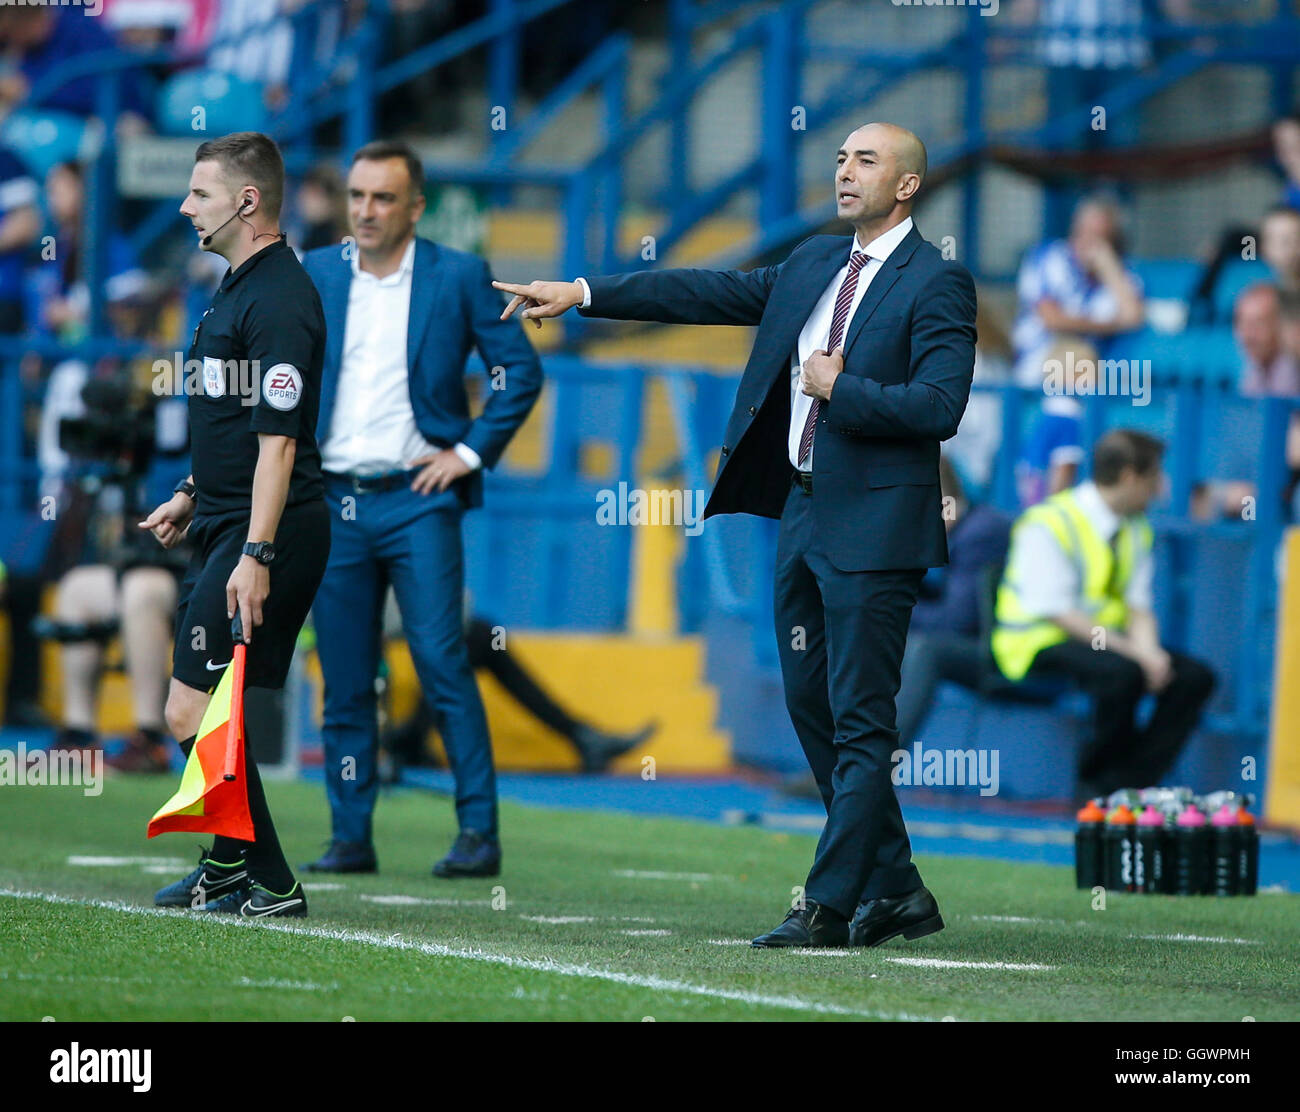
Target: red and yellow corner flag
<point>213,796</point>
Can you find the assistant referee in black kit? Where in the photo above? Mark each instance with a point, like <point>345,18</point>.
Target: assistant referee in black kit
<point>254,505</point>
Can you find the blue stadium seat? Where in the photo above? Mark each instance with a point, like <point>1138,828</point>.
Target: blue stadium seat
<point>1234,278</point>
<point>229,104</point>
<point>45,138</point>
<point>1174,278</point>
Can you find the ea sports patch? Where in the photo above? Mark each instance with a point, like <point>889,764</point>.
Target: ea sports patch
<point>282,386</point>
<point>214,377</point>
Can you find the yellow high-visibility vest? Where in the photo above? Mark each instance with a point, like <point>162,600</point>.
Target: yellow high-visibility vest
<point>1020,635</point>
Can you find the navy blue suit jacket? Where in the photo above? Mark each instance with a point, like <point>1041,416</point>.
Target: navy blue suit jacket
<point>909,353</point>
<point>454,310</point>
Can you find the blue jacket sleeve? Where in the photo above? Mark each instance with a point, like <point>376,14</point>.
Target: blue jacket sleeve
<point>514,373</point>
<point>683,296</point>
<point>930,404</point>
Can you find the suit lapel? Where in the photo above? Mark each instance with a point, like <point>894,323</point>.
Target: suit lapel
<point>334,289</point>
<point>424,282</point>
<point>881,284</point>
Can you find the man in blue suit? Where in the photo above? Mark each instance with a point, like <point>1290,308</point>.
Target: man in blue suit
<point>861,365</point>
<point>402,461</point>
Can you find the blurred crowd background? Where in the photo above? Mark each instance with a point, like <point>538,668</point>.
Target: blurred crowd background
<point>1121,176</point>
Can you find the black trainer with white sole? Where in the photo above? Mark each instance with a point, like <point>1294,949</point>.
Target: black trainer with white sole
<point>210,881</point>
<point>255,902</point>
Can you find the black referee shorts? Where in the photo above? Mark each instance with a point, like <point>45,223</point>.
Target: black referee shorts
<point>203,645</point>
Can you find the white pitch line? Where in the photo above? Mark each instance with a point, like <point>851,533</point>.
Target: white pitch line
<point>651,874</point>
<point>438,950</point>
<point>322,885</point>
<point>1011,919</point>
<point>303,986</point>
<point>559,920</point>
<point>119,862</point>
<point>396,899</point>
<point>645,933</point>
<point>1195,938</point>
<point>946,963</point>
<point>728,941</point>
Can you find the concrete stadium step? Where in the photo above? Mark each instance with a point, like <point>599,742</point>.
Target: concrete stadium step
<point>614,681</point>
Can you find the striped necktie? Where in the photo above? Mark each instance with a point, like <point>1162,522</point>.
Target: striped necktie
<point>838,321</point>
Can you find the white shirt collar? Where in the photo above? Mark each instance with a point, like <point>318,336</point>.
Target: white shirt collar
<point>405,267</point>
<point>883,245</point>
<point>1094,506</point>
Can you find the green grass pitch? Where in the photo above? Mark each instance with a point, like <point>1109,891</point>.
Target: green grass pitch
<point>596,916</point>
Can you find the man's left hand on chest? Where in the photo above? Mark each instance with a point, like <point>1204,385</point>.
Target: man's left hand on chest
<point>819,372</point>
<point>438,471</point>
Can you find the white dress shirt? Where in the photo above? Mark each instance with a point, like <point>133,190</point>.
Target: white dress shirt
<point>1047,580</point>
<point>816,332</point>
<point>373,430</point>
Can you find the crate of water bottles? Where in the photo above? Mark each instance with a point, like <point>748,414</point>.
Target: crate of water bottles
<point>1168,841</point>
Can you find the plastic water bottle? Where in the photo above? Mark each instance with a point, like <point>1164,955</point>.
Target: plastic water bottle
<point>1119,846</point>
<point>1224,840</point>
<point>1088,860</point>
<point>1247,851</point>
<point>1191,853</point>
<point>1149,861</point>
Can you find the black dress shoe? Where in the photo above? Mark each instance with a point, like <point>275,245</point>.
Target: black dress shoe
<point>597,748</point>
<point>811,925</point>
<point>345,857</point>
<point>913,915</point>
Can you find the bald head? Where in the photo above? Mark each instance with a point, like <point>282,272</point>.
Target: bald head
<point>879,171</point>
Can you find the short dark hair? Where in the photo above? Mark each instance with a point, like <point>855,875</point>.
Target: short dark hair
<point>382,149</point>
<point>1120,449</point>
<point>249,156</point>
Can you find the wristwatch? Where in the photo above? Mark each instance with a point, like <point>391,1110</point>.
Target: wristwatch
<point>187,488</point>
<point>261,551</point>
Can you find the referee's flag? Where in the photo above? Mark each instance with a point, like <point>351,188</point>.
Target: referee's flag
<point>213,796</point>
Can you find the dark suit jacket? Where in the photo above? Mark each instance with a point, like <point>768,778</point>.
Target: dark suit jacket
<point>454,310</point>
<point>909,352</point>
<point>977,544</point>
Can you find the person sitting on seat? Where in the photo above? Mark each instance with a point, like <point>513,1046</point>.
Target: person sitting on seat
<point>1075,601</point>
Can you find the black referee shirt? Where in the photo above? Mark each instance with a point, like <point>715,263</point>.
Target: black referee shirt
<point>258,351</point>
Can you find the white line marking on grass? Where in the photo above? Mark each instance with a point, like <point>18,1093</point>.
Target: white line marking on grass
<point>1195,938</point>
<point>946,963</point>
<point>398,900</point>
<point>322,886</point>
<point>304,986</point>
<point>119,862</point>
<point>728,941</point>
<point>645,933</point>
<point>651,874</point>
<point>1012,919</point>
<point>439,950</point>
<point>559,920</point>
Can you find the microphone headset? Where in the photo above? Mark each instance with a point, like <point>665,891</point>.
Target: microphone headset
<point>248,202</point>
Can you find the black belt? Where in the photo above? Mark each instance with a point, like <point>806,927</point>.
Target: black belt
<point>802,479</point>
<point>369,484</point>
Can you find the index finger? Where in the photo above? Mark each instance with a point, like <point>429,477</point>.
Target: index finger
<point>510,287</point>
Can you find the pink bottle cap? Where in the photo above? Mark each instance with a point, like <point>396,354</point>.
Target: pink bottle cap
<point>1191,816</point>
<point>1150,817</point>
<point>1224,816</point>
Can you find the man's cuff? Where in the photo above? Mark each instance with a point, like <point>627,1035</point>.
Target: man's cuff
<point>470,457</point>
<point>586,293</point>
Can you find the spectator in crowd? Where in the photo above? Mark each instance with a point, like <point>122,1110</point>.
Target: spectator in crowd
<point>141,603</point>
<point>1077,286</point>
<point>1279,245</point>
<point>20,224</point>
<point>1076,601</point>
<point>268,42</point>
<point>36,39</point>
<point>943,641</point>
<point>58,284</point>
<point>1050,460</point>
<point>1268,369</point>
<point>320,217</point>
<point>1286,148</point>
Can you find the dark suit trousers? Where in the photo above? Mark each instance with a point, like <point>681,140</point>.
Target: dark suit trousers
<point>841,637</point>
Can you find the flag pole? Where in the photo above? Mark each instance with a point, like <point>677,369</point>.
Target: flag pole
<point>236,724</point>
